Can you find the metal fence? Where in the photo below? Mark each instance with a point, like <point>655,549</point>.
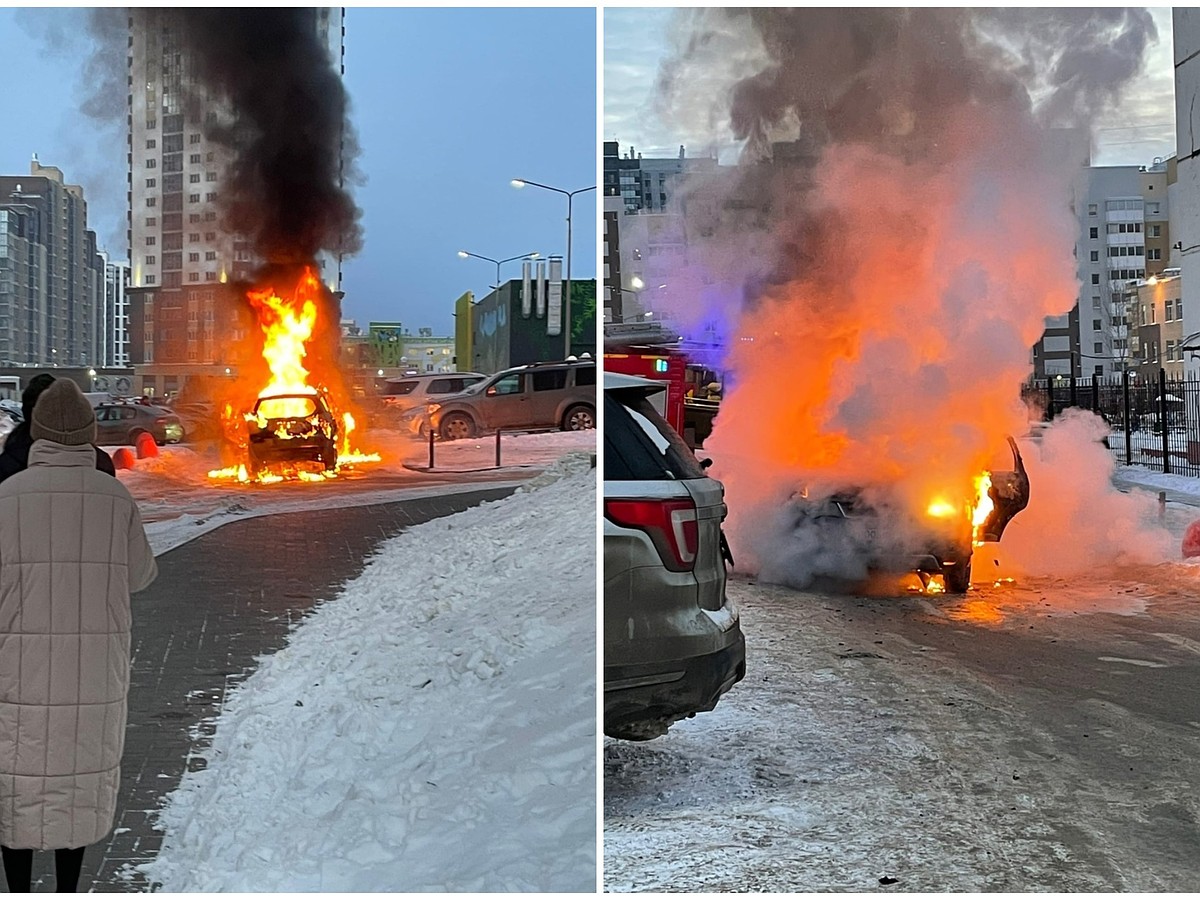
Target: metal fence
<point>1155,422</point>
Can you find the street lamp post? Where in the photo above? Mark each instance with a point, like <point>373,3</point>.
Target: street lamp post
<point>522,182</point>
<point>465,255</point>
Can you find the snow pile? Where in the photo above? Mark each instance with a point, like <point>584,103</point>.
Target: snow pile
<point>433,728</point>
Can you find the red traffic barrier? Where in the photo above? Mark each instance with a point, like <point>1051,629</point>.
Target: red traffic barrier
<point>1191,540</point>
<point>146,446</point>
<point>123,458</point>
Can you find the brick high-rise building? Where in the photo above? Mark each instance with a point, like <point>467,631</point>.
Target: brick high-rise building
<point>179,254</point>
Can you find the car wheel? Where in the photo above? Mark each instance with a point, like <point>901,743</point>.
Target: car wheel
<point>579,418</point>
<point>958,576</point>
<point>457,426</point>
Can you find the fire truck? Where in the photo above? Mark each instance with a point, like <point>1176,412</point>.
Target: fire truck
<point>687,404</point>
<point>658,363</point>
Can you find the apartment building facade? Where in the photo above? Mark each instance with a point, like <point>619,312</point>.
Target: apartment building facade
<point>51,274</point>
<point>1118,208</point>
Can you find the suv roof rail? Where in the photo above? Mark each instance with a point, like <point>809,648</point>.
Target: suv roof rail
<point>560,362</point>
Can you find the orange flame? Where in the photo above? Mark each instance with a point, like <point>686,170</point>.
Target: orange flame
<point>983,506</point>
<point>287,327</point>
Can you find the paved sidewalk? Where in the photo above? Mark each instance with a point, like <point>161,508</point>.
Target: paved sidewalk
<point>220,602</point>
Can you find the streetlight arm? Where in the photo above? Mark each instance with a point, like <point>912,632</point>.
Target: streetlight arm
<point>521,182</point>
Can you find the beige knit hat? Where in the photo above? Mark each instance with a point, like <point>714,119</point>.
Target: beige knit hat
<point>63,415</point>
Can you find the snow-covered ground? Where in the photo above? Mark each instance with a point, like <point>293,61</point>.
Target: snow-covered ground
<point>1158,481</point>
<point>432,728</point>
<point>179,502</point>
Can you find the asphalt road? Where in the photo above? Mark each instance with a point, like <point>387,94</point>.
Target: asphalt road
<point>1043,735</point>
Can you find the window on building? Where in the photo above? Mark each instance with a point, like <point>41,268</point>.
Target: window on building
<point>193,138</point>
<point>1093,209</point>
<point>1093,233</point>
<point>1095,256</point>
<point>1097,347</point>
<point>193,257</point>
<point>210,255</point>
<point>194,159</point>
<point>193,179</point>
<point>1152,209</point>
<point>1095,302</point>
<point>210,217</point>
<point>1098,371</point>
<point>194,218</point>
<point>1154,253</point>
<point>151,260</point>
<point>150,240</point>
<point>151,221</point>
<point>1137,228</point>
<point>210,236</point>
<point>152,124</point>
<point>1155,231</point>
<point>193,198</point>
<point>151,144</point>
<point>151,201</point>
<point>152,164</point>
<point>1095,324</point>
<point>151,182</point>
<point>210,197</point>
<point>1095,278</point>
<point>210,176</point>
<point>193,276</point>
<point>210,276</point>
<point>150,279</point>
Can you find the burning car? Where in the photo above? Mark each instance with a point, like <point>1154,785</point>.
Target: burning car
<point>871,527</point>
<point>291,428</point>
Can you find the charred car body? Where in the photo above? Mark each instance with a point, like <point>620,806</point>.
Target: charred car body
<point>289,429</point>
<point>868,526</point>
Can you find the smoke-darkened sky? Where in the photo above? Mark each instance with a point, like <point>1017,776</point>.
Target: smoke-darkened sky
<point>448,105</point>
<point>636,41</point>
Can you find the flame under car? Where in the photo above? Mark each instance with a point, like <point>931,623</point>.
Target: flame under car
<point>867,529</point>
<point>290,429</point>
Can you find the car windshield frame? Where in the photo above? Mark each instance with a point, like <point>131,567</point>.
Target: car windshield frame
<point>318,408</point>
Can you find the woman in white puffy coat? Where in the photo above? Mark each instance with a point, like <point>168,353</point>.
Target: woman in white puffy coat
<point>72,549</point>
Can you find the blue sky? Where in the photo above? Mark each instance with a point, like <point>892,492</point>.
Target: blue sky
<point>449,106</point>
<point>636,40</point>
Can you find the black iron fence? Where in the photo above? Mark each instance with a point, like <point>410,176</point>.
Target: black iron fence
<point>1155,422</point>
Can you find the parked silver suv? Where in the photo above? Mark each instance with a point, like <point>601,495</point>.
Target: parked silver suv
<point>673,643</point>
<point>406,391</point>
<point>540,395</point>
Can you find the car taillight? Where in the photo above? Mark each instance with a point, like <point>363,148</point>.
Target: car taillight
<point>671,524</point>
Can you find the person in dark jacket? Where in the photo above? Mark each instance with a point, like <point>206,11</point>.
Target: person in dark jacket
<point>15,456</point>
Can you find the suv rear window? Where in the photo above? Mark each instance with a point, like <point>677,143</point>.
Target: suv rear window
<point>639,444</point>
<point>585,375</point>
<point>399,388</point>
